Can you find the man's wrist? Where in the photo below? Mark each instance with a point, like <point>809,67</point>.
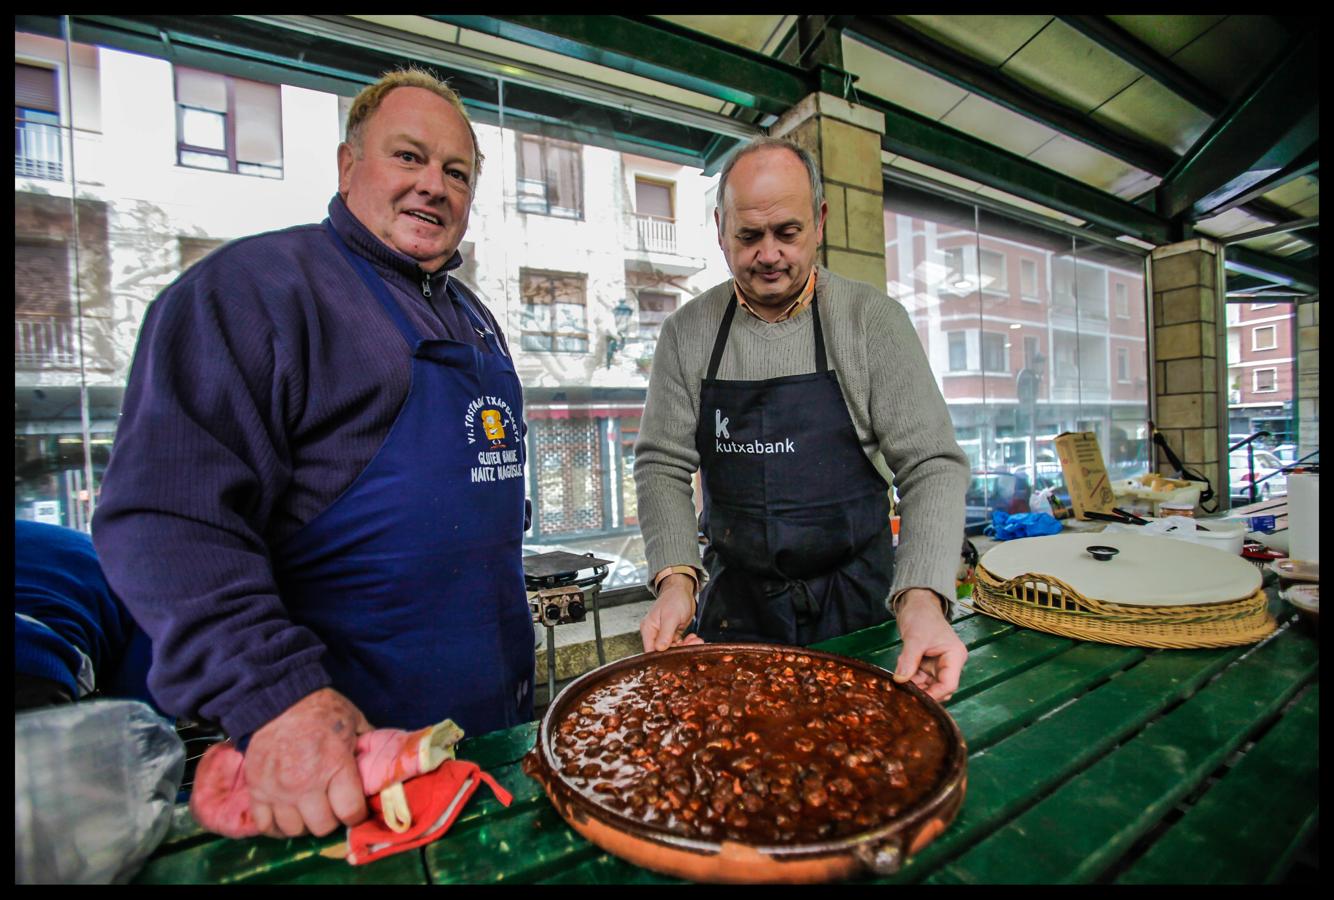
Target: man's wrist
<point>914,596</point>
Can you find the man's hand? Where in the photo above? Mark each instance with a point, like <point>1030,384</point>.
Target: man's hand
<point>932,656</point>
<point>670,614</point>
<point>301,770</point>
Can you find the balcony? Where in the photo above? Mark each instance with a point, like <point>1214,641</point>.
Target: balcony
<point>39,151</point>
<point>49,342</point>
<point>655,233</point>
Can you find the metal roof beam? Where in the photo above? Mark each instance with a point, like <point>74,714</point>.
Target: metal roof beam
<point>1132,50</point>
<point>1263,132</point>
<point>1271,269</point>
<point>916,49</point>
<point>1305,164</point>
<point>919,138</point>
<point>659,50</point>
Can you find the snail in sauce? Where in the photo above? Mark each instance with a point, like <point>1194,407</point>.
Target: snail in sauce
<point>763,747</point>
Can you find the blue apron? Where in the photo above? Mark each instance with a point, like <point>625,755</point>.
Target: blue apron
<point>413,578</point>
<point>797,518</point>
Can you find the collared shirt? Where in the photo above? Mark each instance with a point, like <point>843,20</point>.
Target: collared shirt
<point>803,300</point>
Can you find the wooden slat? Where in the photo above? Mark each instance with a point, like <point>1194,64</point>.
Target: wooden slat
<point>269,861</point>
<point>1004,779</point>
<point>521,848</point>
<point>1017,702</point>
<point>1247,827</point>
<point>1083,828</point>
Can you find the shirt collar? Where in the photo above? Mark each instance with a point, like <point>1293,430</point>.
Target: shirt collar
<point>802,301</point>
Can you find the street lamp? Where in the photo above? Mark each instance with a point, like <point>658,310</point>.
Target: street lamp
<point>617,339</point>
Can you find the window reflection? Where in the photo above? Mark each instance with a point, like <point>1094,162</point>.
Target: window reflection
<point>1014,320</point>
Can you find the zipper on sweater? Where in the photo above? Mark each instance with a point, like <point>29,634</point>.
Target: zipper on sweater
<point>426,285</point>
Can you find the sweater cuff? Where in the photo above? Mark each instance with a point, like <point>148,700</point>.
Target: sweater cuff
<point>946,607</point>
<point>267,704</point>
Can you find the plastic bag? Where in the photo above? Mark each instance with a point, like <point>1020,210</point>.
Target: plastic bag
<point>1005,527</point>
<point>94,787</point>
<point>1040,501</point>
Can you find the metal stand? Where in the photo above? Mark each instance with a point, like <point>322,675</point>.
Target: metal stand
<point>557,595</point>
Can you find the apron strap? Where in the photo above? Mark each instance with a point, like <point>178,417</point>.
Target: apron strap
<point>377,287</point>
<point>821,362</point>
<point>720,342</point>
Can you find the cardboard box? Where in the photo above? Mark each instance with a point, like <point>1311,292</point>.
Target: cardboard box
<point>1085,473</point>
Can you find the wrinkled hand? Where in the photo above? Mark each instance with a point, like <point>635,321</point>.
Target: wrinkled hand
<point>301,769</point>
<point>669,617</point>
<point>932,656</point>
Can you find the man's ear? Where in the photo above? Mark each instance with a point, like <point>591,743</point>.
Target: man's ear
<point>718,221</point>
<point>346,159</point>
<point>819,229</point>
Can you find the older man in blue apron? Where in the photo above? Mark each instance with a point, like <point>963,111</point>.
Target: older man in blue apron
<point>316,503</point>
<point>781,387</point>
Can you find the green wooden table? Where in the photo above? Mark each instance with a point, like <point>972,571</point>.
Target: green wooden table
<point>1088,763</point>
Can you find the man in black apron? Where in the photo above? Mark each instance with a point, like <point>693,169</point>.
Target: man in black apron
<point>795,515</point>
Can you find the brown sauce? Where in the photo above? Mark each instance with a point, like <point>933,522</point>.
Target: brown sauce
<point>762,747</point>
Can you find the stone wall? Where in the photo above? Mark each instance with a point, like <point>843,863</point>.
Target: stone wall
<point>845,141</point>
<point>1186,313</point>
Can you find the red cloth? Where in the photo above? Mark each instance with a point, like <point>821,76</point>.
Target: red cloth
<point>220,799</point>
<point>436,799</point>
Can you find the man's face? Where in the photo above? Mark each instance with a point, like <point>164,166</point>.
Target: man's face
<point>767,232</point>
<point>410,181</point>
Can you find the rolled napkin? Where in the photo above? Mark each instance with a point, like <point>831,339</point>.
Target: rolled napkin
<point>386,757</point>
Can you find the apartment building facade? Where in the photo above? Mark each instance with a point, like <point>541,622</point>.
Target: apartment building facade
<point>1261,367</point>
<point>129,169</point>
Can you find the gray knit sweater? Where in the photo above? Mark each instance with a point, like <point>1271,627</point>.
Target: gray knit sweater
<point>887,385</point>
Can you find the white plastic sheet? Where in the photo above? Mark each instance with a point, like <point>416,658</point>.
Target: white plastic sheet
<point>94,787</point>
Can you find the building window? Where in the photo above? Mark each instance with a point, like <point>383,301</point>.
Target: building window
<point>45,332</point>
<point>554,311</point>
<point>1030,352</point>
<point>193,249</point>
<point>228,124</point>
<point>551,177</point>
<point>654,308</point>
<point>1028,279</point>
<point>38,144</point>
<point>956,276</point>
<point>1122,301</point>
<point>1123,365</point>
<point>958,351</point>
<point>655,215</point>
<point>1257,306</point>
<point>1264,381</point>
<point>1264,337</point>
<point>994,352</point>
<point>993,271</point>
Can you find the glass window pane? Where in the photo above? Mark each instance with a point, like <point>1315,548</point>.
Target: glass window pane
<point>202,128</point>
<point>203,160</point>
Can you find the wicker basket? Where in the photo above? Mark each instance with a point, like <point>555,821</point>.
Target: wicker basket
<point>1044,603</point>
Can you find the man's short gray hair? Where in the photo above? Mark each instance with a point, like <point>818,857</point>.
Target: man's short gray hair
<point>765,143</point>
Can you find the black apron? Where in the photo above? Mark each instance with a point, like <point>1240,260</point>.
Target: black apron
<point>797,519</point>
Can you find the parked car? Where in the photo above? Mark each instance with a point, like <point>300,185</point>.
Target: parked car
<point>1286,453</point>
<point>990,490</point>
<point>1267,483</point>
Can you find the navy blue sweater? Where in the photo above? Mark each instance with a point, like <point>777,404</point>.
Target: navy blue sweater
<point>265,379</point>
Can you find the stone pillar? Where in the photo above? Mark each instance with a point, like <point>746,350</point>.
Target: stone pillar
<point>845,141</point>
<point>1308,377</point>
<point>1187,302</point>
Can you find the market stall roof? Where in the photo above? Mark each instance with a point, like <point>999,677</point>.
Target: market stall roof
<point>1149,128</point>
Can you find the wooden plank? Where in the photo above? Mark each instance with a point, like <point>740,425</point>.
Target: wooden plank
<point>994,714</point>
<point>1246,828</point>
<point>1079,831</point>
<point>1004,779</point>
<point>608,869</point>
<point>521,848</point>
<point>270,861</point>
